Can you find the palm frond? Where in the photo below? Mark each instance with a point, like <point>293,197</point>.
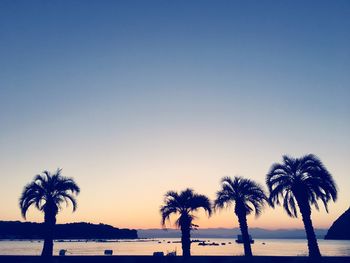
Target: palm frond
<point>184,203</point>
<point>246,194</point>
<point>303,180</point>
<point>47,187</point>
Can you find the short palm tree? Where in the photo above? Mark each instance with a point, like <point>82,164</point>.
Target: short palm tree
<point>184,204</point>
<point>47,192</point>
<point>246,196</point>
<point>301,182</point>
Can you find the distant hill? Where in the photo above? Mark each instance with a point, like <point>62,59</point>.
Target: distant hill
<point>340,229</point>
<point>230,233</point>
<point>28,230</point>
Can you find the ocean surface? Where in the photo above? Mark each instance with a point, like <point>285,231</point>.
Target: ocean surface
<point>266,247</point>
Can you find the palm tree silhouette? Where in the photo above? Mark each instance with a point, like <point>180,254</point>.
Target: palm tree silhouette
<point>301,181</point>
<point>47,192</point>
<point>247,196</point>
<point>184,204</point>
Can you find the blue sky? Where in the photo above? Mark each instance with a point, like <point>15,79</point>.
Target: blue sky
<point>170,94</point>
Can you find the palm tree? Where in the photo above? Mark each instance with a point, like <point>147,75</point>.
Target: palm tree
<point>301,182</point>
<point>47,192</point>
<point>184,204</point>
<point>246,196</point>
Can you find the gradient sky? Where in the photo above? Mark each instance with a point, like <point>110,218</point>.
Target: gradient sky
<point>135,98</point>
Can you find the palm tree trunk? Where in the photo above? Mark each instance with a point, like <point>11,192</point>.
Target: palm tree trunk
<point>49,225</point>
<point>312,244</point>
<point>186,240</point>
<point>242,219</point>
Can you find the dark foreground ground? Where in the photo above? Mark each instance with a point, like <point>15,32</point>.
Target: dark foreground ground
<point>151,259</point>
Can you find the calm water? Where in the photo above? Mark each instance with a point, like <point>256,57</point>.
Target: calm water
<point>284,247</point>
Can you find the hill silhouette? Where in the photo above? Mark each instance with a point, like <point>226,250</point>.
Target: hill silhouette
<point>340,228</point>
<point>230,233</point>
<point>82,230</point>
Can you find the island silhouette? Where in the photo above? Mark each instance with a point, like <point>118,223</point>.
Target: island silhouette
<point>81,230</point>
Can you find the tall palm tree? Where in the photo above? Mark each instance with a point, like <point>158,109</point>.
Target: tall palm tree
<point>47,192</point>
<point>184,204</point>
<point>301,182</point>
<point>246,196</point>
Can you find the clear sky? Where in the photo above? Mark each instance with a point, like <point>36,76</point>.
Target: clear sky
<point>135,98</point>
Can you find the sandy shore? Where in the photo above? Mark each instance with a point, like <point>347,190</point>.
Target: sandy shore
<point>150,259</point>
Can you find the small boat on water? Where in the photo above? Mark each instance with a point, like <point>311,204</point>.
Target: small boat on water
<point>239,239</point>
<point>203,243</point>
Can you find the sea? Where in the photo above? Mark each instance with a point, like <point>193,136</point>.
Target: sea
<point>222,246</point>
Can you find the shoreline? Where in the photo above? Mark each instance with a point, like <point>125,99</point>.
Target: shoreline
<point>174,259</point>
